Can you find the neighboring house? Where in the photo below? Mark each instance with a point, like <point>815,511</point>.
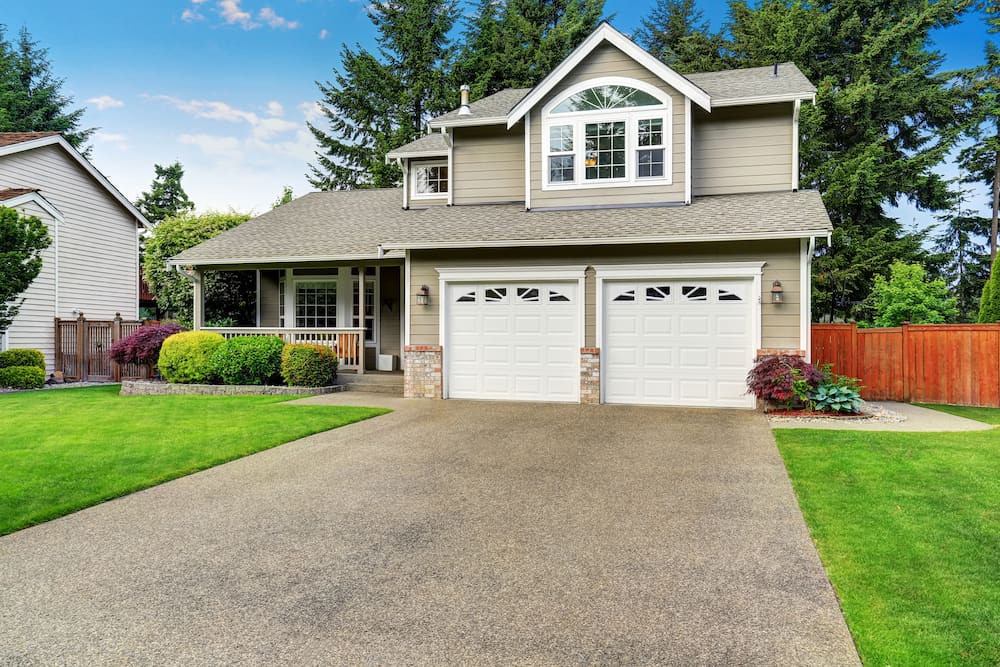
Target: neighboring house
<point>92,266</point>
<point>619,233</point>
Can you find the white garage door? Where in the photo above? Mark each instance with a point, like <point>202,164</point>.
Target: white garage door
<point>678,342</point>
<point>513,341</point>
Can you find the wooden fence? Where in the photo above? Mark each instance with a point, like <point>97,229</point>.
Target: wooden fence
<point>82,347</point>
<point>957,364</point>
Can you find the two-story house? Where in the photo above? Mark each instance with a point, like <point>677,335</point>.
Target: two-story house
<point>619,233</point>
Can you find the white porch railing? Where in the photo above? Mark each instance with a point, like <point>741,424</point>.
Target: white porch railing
<point>348,343</point>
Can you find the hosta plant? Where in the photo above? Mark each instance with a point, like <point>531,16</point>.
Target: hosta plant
<point>830,397</point>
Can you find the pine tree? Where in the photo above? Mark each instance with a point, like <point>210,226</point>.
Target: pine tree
<point>677,33</point>
<point>166,197</point>
<point>981,158</point>
<point>989,302</point>
<point>377,102</point>
<point>964,259</point>
<point>31,98</point>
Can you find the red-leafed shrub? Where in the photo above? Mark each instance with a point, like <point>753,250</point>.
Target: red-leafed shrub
<point>143,345</point>
<point>784,380</point>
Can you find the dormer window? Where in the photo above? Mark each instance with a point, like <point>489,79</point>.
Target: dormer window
<point>430,180</point>
<point>614,132</point>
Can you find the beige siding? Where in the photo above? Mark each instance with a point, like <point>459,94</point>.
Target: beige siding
<point>488,164</point>
<point>423,202</point>
<point>98,253</point>
<point>269,298</point>
<point>780,323</point>
<point>33,327</point>
<point>607,60</point>
<point>390,318</point>
<point>742,149</point>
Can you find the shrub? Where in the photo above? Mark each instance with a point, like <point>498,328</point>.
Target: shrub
<point>784,380</point>
<point>306,365</point>
<point>22,377</point>
<point>22,358</point>
<point>142,346</point>
<point>249,360</point>
<point>830,397</point>
<point>186,357</point>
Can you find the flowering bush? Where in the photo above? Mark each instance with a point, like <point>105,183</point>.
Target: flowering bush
<point>143,345</point>
<point>784,380</point>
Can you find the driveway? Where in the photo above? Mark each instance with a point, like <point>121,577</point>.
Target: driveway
<point>447,532</point>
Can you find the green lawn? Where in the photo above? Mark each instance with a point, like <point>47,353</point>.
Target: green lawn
<point>63,450</point>
<point>908,527</point>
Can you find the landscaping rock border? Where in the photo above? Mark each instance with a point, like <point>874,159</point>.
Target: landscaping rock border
<point>152,388</point>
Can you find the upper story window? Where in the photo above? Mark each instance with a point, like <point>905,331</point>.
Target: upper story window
<point>430,180</point>
<point>613,132</point>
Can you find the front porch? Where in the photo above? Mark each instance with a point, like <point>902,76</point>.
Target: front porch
<point>329,304</point>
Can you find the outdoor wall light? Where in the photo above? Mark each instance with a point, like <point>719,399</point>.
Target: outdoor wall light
<point>423,295</point>
<point>777,293</point>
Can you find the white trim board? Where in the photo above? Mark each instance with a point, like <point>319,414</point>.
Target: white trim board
<point>34,198</point>
<point>509,273</point>
<point>606,33</point>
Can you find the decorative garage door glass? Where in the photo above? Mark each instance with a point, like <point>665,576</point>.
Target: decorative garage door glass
<point>513,341</point>
<point>678,342</point>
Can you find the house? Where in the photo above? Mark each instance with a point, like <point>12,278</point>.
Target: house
<point>92,265</point>
<point>619,233</point>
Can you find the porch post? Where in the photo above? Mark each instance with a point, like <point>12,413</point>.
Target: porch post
<point>289,314</point>
<point>362,278</point>
<point>198,316</point>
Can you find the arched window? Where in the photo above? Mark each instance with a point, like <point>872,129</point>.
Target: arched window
<point>606,132</point>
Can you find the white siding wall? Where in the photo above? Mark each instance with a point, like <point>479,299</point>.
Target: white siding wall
<point>98,254</point>
<point>33,327</point>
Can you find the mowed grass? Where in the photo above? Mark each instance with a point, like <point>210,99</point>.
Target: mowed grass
<point>63,450</point>
<point>908,527</point>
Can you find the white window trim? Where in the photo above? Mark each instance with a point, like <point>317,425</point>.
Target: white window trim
<point>631,117</point>
<point>753,271</point>
<point>480,274</point>
<point>416,166</point>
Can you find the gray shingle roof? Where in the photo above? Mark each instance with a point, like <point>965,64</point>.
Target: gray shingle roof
<point>348,225</point>
<point>495,107</point>
<point>435,143</point>
<point>752,82</point>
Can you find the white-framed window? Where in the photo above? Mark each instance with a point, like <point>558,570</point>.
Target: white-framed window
<point>607,132</point>
<point>429,180</point>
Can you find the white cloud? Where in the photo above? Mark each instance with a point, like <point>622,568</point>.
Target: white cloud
<point>262,129</point>
<point>274,108</point>
<point>118,140</point>
<point>268,16</point>
<point>228,148</point>
<point>105,102</point>
<point>324,33</point>
<point>311,111</point>
<point>232,13</point>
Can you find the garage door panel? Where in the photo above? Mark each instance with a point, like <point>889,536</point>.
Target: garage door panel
<point>660,357</point>
<point>738,325</point>
<point>496,324</point>
<point>694,357</point>
<point>528,355</point>
<point>623,324</point>
<point>496,354</point>
<point>562,356</point>
<point>653,325</point>
<point>730,358</point>
<point>694,325</point>
<point>622,356</point>
<point>562,324</point>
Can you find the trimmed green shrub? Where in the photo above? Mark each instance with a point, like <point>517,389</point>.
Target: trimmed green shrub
<point>249,360</point>
<point>22,377</point>
<point>306,365</point>
<point>22,358</point>
<point>186,357</point>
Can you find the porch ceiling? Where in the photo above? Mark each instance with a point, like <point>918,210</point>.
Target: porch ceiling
<point>356,225</point>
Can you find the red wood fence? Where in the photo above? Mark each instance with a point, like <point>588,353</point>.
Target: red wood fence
<point>957,364</point>
<point>82,347</point>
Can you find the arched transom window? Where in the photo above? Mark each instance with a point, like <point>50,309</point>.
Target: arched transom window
<point>604,133</point>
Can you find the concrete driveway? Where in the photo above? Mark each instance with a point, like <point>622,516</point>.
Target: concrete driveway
<point>445,533</point>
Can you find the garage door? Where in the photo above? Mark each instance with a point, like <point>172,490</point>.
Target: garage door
<point>688,342</point>
<point>513,341</point>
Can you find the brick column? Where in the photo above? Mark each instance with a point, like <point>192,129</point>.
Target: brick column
<point>778,352</point>
<point>590,375</point>
<point>422,371</point>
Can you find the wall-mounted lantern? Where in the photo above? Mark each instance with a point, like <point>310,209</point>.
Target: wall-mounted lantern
<point>423,295</point>
<point>777,293</point>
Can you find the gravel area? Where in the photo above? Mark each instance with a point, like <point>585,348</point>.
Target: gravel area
<point>871,413</point>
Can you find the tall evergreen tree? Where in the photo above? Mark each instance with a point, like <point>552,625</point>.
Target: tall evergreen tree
<point>964,259</point>
<point>31,98</point>
<point>885,116</point>
<point>516,43</point>
<point>981,158</point>
<point>677,33</point>
<point>379,101</point>
<point>166,197</point>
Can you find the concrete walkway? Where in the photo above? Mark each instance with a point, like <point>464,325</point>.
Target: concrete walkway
<point>918,419</point>
<point>447,532</point>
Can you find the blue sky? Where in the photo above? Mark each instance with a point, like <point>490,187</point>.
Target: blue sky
<point>225,86</point>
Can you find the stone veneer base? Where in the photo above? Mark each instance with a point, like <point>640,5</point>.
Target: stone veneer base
<point>590,375</point>
<point>422,371</point>
<point>147,388</point>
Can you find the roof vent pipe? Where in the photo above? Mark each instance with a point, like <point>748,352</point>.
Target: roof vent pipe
<point>464,110</point>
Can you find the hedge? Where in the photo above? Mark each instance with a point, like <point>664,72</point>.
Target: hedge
<point>22,358</point>
<point>186,357</point>
<point>307,365</point>
<point>249,360</point>
<point>22,377</point>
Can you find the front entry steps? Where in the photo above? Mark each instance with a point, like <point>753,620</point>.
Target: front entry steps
<point>377,383</point>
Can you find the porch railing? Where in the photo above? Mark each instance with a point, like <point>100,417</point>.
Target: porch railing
<point>347,343</point>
